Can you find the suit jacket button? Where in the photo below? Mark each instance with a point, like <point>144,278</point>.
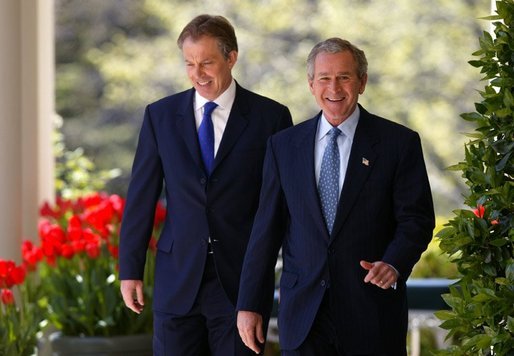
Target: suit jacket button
<point>203,180</point>
<point>323,283</point>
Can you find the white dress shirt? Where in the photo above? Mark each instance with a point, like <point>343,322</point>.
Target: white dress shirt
<point>219,115</point>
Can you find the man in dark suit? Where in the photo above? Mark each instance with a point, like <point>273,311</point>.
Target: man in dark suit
<point>347,198</point>
<point>206,146</point>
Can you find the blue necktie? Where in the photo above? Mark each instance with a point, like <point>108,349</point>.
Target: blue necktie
<point>328,184</point>
<point>206,136</point>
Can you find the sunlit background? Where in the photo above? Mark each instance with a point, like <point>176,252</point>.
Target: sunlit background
<point>114,57</point>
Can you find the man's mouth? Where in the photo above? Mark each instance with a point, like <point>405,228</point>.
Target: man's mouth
<point>203,83</point>
<point>334,100</point>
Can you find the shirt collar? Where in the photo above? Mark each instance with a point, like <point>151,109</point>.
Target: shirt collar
<point>225,100</point>
<point>347,127</point>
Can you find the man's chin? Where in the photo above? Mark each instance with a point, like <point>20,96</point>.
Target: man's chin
<point>204,92</point>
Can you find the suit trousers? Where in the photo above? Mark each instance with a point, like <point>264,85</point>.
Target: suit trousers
<point>323,338</point>
<point>209,328</point>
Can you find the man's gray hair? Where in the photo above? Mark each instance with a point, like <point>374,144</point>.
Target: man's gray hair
<point>337,45</point>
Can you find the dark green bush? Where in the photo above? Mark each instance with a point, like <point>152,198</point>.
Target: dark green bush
<point>480,240</point>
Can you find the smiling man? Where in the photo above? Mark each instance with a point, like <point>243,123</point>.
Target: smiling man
<point>347,198</point>
<point>206,147</point>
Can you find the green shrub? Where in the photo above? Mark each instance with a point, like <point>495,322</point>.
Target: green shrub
<point>480,240</point>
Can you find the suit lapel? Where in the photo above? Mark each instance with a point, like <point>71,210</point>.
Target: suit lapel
<point>236,124</point>
<point>360,164</point>
<point>304,147</point>
<point>187,129</point>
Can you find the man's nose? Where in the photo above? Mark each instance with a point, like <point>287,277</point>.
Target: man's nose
<point>334,86</point>
<point>197,71</point>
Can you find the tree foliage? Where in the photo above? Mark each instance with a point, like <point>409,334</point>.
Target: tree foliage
<point>481,241</point>
<point>114,57</point>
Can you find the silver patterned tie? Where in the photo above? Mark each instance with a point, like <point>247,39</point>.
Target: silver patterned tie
<point>328,185</point>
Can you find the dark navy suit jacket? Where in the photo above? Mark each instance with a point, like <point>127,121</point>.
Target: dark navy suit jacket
<point>385,213</point>
<point>221,206</point>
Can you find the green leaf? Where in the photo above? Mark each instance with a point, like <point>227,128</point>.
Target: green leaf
<point>498,242</point>
<point>500,166</point>
<point>484,297</point>
<point>446,232</point>
<point>457,167</point>
<point>490,270</point>
<point>476,63</point>
<point>508,99</point>
<point>445,314</point>
<point>477,135</point>
<point>503,113</point>
<point>510,324</point>
<point>480,341</point>
<point>509,271</point>
<point>472,116</point>
<point>490,18</point>
<point>503,146</point>
<point>450,324</point>
<point>452,300</point>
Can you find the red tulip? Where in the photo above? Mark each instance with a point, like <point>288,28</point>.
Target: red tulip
<point>93,250</point>
<point>18,275</point>
<point>7,296</point>
<point>51,232</point>
<point>113,250</point>
<point>31,254</point>
<point>78,245</point>
<point>118,204</point>
<point>160,214</point>
<point>67,251</point>
<point>479,211</point>
<point>92,199</point>
<point>47,211</point>
<point>10,274</point>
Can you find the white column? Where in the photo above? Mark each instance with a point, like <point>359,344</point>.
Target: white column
<point>10,129</point>
<point>27,102</point>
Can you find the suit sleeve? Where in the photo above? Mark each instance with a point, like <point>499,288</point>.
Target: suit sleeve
<point>285,121</point>
<point>258,273</point>
<point>143,192</point>
<point>413,209</point>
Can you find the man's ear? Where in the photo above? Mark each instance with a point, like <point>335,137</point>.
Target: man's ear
<point>364,80</point>
<point>232,59</point>
<point>310,81</point>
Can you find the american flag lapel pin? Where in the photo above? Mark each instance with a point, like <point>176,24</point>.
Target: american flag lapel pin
<point>365,161</point>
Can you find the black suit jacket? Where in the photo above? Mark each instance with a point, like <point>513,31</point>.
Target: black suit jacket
<point>221,206</point>
<point>385,213</point>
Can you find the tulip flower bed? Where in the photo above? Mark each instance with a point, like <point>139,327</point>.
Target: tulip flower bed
<point>70,276</point>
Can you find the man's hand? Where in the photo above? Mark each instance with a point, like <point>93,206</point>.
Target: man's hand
<point>380,274</point>
<point>132,292</point>
<point>250,329</point>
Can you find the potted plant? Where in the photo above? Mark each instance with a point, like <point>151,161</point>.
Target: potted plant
<point>81,293</point>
